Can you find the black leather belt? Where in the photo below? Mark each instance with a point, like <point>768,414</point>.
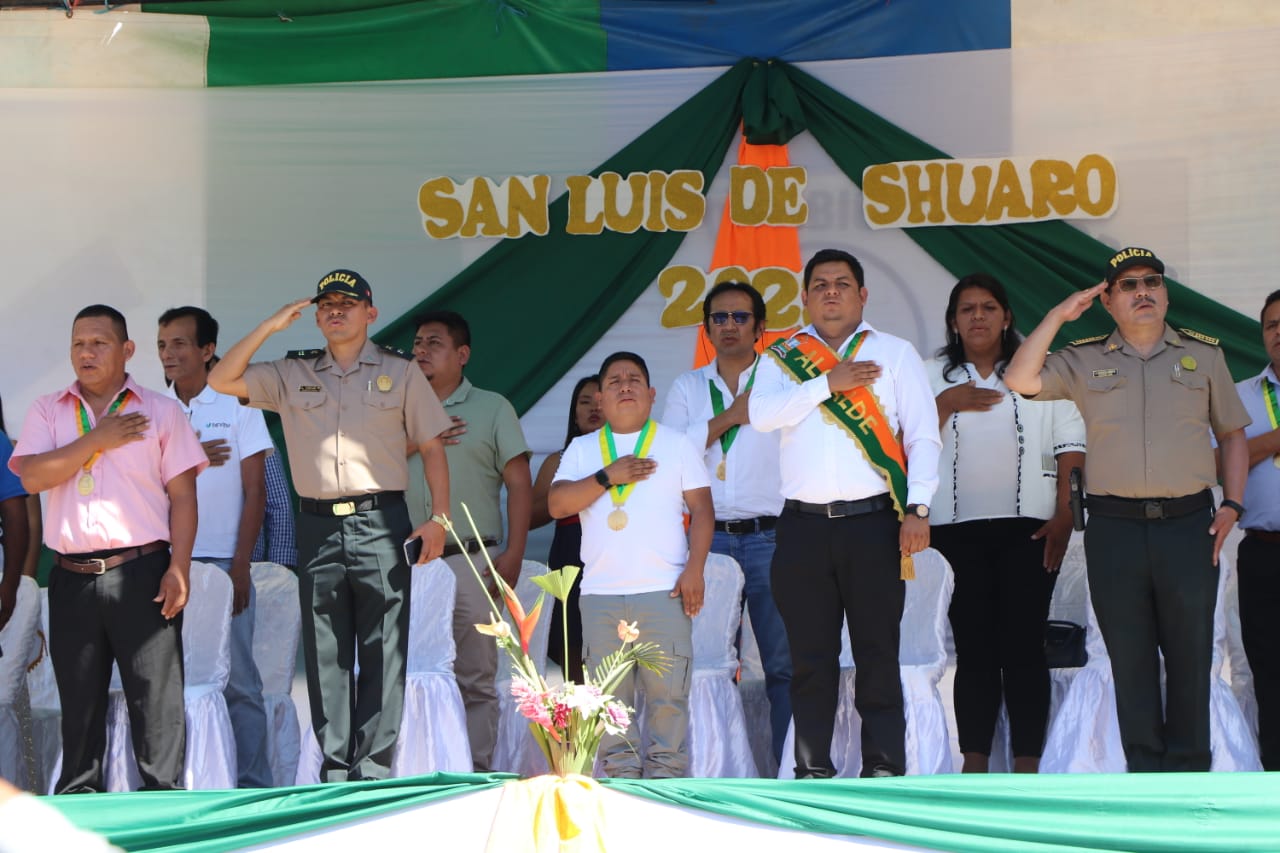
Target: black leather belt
<point>843,509</point>
<point>472,546</point>
<point>1148,509</point>
<point>740,526</point>
<point>349,506</point>
<point>1263,535</point>
<point>99,562</point>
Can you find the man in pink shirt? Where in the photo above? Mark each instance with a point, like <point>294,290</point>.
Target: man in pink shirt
<point>119,463</point>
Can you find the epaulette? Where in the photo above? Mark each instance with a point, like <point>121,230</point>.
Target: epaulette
<point>1200,336</point>
<point>396,352</point>
<point>304,353</point>
<point>1093,340</point>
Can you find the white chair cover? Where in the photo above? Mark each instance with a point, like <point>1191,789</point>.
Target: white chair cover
<point>277,625</point>
<point>922,657</point>
<point>755,701</point>
<point>1236,669</point>
<point>20,643</point>
<point>1085,735</point>
<point>206,655</point>
<point>516,751</point>
<point>718,743</point>
<point>46,708</point>
<point>1070,603</point>
<point>433,730</point>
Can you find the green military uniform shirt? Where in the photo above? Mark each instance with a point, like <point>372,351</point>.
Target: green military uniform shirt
<point>1147,421</point>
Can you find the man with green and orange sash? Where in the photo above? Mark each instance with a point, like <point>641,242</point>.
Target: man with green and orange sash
<point>859,457</point>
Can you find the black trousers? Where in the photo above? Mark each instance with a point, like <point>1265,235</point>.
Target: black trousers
<point>354,592</point>
<point>825,570</point>
<point>1153,586</point>
<point>1259,578</point>
<point>998,612</point>
<point>93,621</point>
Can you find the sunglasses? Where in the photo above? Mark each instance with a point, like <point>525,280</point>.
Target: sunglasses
<point>740,318</point>
<point>1152,281</point>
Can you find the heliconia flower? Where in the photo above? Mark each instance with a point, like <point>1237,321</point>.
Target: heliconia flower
<point>525,623</point>
<point>628,633</point>
<point>496,628</point>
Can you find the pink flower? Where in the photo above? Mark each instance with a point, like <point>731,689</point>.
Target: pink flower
<point>615,718</point>
<point>530,702</point>
<point>628,633</point>
<point>560,715</point>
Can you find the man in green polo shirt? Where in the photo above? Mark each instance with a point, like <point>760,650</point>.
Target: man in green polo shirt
<point>486,451</point>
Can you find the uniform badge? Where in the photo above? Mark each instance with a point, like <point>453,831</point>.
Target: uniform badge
<point>384,383</point>
<point>309,388</point>
<point>1188,362</point>
<point>1101,374</point>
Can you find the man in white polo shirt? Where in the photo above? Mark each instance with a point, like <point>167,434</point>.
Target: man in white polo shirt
<point>629,483</point>
<point>710,405</point>
<point>231,494</point>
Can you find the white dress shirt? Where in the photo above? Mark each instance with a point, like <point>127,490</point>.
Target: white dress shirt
<point>1262,489</point>
<point>821,462</point>
<point>752,486</point>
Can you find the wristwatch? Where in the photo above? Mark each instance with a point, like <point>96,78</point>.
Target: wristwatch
<point>1238,507</point>
<point>603,479</point>
<point>918,510</point>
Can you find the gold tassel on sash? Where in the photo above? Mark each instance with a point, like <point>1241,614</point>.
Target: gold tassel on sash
<point>907,572</point>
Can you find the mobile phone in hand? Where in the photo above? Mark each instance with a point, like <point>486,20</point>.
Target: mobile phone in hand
<point>413,550</point>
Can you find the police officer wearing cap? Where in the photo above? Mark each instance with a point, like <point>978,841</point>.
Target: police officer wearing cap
<point>1149,395</point>
<point>349,412</point>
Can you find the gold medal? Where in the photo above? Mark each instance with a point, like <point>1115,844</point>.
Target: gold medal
<point>384,383</point>
<point>85,484</point>
<point>617,519</point>
<point>1188,363</point>
<point>720,470</point>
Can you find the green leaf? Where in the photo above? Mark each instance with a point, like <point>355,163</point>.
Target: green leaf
<point>558,583</point>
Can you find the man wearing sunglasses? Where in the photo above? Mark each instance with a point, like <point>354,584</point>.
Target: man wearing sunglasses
<point>1149,395</point>
<point>710,406</point>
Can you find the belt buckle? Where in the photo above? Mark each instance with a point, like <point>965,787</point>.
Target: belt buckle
<point>831,511</point>
<point>1152,510</point>
<point>102,565</point>
<point>344,508</point>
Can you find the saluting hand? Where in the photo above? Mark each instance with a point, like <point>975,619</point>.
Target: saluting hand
<point>848,375</point>
<point>1077,303</point>
<point>630,469</point>
<point>284,318</point>
<point>115,430</point>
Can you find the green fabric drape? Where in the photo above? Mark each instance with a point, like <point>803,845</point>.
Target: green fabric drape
<point>551,298</point>
<point>214,821</point>
<point>1140,812</point>
<point>1039,263</point>
<point>1145,812</point>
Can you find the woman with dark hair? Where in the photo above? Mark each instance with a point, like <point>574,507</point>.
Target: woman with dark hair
<point>1001,518</point>
<point>584,416</point>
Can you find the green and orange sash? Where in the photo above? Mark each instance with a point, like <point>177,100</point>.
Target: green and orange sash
<point>858,412</point>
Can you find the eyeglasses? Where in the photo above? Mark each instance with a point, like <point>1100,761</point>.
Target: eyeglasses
<point>740,318</point>
<point>1152,281</point>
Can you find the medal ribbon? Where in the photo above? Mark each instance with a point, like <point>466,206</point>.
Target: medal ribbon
<point>609,453</point>
<point>82,421</point>
<point>717,406</point>
<point>1273,407</point>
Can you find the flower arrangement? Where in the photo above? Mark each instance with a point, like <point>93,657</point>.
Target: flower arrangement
<point>567,720</point>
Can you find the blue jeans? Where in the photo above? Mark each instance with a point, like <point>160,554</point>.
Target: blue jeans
<point>754,553</point>
<point>244,696</point>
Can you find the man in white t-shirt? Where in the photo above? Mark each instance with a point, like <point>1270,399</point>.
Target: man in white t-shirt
<point>231,495</point>
<point>629,482</point>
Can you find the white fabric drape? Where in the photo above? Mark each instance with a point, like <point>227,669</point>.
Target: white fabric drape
<point>20,643</point>
<point>276,628</point>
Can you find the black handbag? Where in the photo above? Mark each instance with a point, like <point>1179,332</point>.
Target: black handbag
<point>1064,644</point>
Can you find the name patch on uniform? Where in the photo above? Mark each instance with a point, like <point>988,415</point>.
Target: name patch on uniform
<point>310,388</point>
<point>1099,374</point>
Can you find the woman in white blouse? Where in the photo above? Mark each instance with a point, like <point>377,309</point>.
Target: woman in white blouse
<point>1001,518</point>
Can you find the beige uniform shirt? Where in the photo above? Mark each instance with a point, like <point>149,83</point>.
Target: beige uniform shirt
<point>347,431</point>
<point>1148,420</point>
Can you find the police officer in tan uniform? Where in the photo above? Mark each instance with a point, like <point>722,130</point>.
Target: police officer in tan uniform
<point>1149,395</point>
<point>349,412</point>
